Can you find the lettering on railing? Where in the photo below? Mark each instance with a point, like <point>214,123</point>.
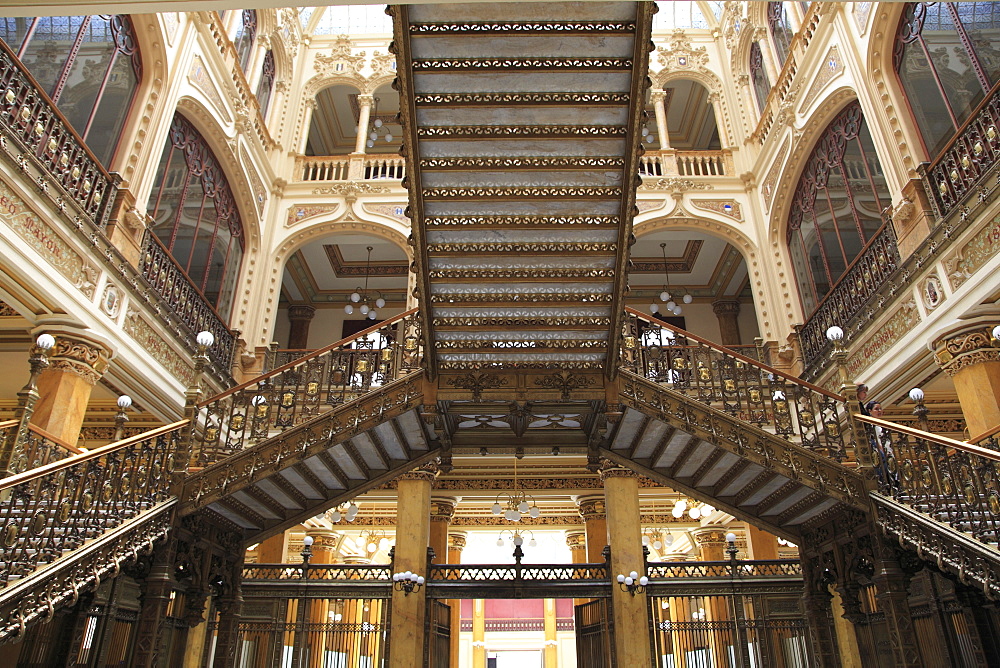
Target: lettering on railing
<point>184,300</point>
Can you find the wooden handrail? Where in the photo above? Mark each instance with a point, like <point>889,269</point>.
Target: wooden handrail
<point>8,423</point>
<point>41,471</point>
<point>336,344</point>
<point>55,439</point>
<point>729,351</point>
<point>934,438</point>
<point>982,437</point>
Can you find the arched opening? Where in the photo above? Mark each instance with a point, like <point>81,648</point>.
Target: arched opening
<point>335,122</point>
<point>691,122</point>
<point>319,280</point>
<point>703,277</point>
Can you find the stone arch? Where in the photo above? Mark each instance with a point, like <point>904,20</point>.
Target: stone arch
<point>680,219</point>
<point>711,83</point>
<point>225,149</point>
<point>892,108</point>
<point>135,150</point>
<point>343,220</point>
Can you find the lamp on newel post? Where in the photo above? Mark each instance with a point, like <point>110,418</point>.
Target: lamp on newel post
<point>192,396</point>
<point>919,410</point>
<point>740,645</point>
<point>121,417</point>
<point>27,397</point>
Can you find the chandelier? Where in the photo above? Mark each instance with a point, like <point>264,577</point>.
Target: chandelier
<point>695,510</point>
<point>369,302</point>
<point>516,537</point>
<point>653,537</point>
<point>513,505</point>
<point>665,296</point>
<point>376,128</point>
<point>343,511</point>
<point>375,539</point>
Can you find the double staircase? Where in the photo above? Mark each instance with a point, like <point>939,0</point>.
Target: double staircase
<point>521,123</point>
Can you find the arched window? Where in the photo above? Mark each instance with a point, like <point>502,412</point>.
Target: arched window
<point>947,59</point>
<point>195,215</point>
<point>266,85</point>
<point>837,206</point>
<point>758,76</point>
<point>88,65</point>
<point>245,36</point>
<point>781,30</point>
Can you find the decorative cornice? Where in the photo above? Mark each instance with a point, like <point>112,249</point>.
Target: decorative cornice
<point>81,357</point>
<point>427,473</point>
<point>966,349</point>
<point>592,508</point>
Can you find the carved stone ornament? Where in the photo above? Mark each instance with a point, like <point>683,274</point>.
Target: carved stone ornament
<point>341,60</point>
<point>428,472</point>
<point>83,358</point>
<point>477,381</point>
<point>965,350</point>
<point>443,509</point>
<point>592,508</point>
<point>576,540</point>
<point>350,189</point>
<point>681,55</point>
<point>710,536</point>
<point>456,541</point>
<point>566,382</point>
<point>675,185</point>
<point>931,292</point>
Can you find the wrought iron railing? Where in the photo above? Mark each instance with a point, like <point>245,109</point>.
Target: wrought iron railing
<point>275,357</point>
<point>989,439</point>
<point>782,404</point>
<point>725,569</point>
<point>968,160</point>
<point>57,507</point>
<point>184,300</point>
<point>952,481</point>
<point>852,293</point>
<point>331,572</point>
<point>300,390</point>
<point>34,130</point>
<point>518,571</point>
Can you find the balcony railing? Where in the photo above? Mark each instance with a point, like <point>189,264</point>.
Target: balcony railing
<point>852,293</point>
<point>670,162</point>
<point>33,130</point>
<point>969,159</point>
<point>349,168</point>
<point>184,300</point>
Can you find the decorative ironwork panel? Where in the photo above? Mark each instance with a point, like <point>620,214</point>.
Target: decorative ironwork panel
<point>852,293</point>
<point>737,385</point>
<point>55,509</point>
<point>316,572</point>
<point>509,572</point>
<point>39,133</point>
<point>724,569</point>
<point>303,389</point>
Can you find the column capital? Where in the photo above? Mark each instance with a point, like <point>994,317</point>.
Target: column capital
<point>456,541</point>
<point>576,540</point>
<point>79,355</point>
<point>710,535</point>
<point>428,472</point>
<point>592,507</point>
<point>610,470</point>
<point>657,96</point>
<point>966,347</point>
<point>366,99</point>
<point>443,508</point>
<point>726,307</point>
<point>301,312</point>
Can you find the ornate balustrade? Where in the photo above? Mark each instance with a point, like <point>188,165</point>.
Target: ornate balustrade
<point>852,294</point>
<point>724,569</point>
<point>327,572</point>
<point>671,162</point>
<point>184,300</point>
<point>32,130</point>
<point>968,161</point>
<point>56,508</point>
<point>952,481</point>
<point>989,440</point>
<point>345,168</point>
<point>471,573</point>
<point>300,390</point>
<point>804,414</point>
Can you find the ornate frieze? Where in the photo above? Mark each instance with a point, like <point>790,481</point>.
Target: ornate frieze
<point>526,27</point>
<point>975,253</point>
<point>675,185</point>
<point>515,64</point>
<point>477,381</point>
<point>770,181</point>
<point>443,508</point>
<point>531,131</point>
<point>201,79</point>
<point>351,189</point>
<point>566,382</point>
<point>426,472</point>
<point>592,508</point>
<point>156,347</point>
<point>504,99</point>
<point>513,247</point>
<point>531,221</point>
<point>517,162</point>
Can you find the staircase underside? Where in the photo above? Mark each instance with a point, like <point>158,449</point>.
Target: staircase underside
<point>328,460</point>
<point>521,126</point>
<point>746,471</point>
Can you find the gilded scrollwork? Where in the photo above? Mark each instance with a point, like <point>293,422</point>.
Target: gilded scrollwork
<point>501,131</point>
<point>513,64</point>
<point>523,191</point>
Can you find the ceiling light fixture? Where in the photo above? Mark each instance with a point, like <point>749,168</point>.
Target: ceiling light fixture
<point>376,127</point>
<point>513,505</point>
<point>671,306</point>
<point>361,295</point>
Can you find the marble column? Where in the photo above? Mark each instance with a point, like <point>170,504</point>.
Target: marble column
<point>712,542</point>
<point>76,363</point>
<point>595,522</point>
<point>728,311</point>
<point>621,491</point>
<point>409,610</point>
<point>442,511</point>
<point>478,633</point>
<point>551,651</point>
<point>659,98</point>
<point>310,108</point>
<point>365,103</point>
<point>324,552</point>
<point>299,318</point>
<point>456,543</point>
<point>973,362</point>
<point>273,550</point>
